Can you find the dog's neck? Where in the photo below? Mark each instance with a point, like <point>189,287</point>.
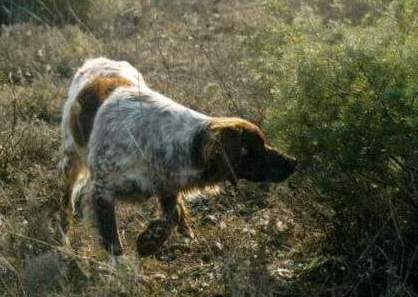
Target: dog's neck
<point>209,170</point>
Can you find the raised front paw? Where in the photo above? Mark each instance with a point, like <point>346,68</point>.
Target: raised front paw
<point>151,240</point>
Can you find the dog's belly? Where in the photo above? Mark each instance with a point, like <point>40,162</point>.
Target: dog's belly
<point>131,188</point>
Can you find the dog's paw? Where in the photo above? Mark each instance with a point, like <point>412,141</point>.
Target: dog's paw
<point>151,240</point>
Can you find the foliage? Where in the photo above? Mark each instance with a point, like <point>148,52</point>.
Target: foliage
<point>344,98</point>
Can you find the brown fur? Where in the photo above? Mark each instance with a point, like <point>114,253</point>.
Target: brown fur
<point>221,150</point>
<point>233,148</point>
<point>90,98</point>
<point>218,124</point>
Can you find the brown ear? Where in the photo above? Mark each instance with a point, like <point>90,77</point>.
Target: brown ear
<point>221,152</point>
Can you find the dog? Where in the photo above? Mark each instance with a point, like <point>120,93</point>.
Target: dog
<point>126,142</point>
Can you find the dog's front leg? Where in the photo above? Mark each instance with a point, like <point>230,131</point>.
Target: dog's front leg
<point>104,208</point>
<point>158,231</point>
<point>184,227</point>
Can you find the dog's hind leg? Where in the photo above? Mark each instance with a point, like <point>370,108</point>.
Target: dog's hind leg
<point>71,167</point>
<point>104,208</point>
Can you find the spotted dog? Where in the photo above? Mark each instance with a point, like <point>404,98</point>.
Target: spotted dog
<point>124,141</point>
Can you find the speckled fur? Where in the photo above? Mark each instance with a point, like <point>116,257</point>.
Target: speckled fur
<point>141,144</point>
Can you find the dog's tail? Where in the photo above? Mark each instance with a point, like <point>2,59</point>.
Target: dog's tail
<point>73,170</point>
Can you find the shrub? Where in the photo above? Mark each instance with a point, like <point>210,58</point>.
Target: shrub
<point>344,99</point>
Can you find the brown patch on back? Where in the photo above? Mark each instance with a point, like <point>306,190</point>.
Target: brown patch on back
<point>90,98</point>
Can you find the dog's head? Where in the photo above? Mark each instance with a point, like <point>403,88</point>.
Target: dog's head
<point>235,149</point>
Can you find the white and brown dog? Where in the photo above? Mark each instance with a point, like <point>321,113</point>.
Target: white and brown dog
<point>131,143</point>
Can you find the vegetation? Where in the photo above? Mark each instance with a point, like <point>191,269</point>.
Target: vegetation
<point>334,82</point>
<point>344,99</point>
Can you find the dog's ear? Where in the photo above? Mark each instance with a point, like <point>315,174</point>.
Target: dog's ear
<point>221,151</point>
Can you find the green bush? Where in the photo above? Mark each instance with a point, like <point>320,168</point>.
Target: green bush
<point>344,99</point>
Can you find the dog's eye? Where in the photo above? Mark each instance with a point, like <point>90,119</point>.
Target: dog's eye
<point>244,151</point>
